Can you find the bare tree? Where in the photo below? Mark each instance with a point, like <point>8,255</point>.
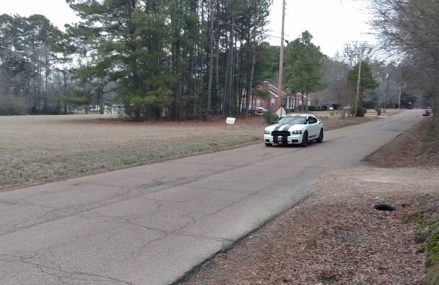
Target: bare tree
<point>411,28</point>
<point>353,51</point>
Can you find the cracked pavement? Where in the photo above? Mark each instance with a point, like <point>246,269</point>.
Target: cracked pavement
<point>151,224</point>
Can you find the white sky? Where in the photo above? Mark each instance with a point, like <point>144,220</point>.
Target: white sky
<point>57,11</point>
<point>331,22</point>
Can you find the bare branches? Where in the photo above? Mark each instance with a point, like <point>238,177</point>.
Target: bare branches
<point>411,27</point>
<point>407,25</point>
<point>354,52</point>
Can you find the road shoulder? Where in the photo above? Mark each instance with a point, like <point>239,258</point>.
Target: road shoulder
<point>336,235</point>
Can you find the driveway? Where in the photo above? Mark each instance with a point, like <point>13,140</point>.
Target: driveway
<point>151,224</point>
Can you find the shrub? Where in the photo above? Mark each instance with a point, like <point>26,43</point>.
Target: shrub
<point>270,117</point>
<point>369,104</point>
<point>317,108</point>
<point>378,110</point>
<point>361,111</point>
<point>12,105</point>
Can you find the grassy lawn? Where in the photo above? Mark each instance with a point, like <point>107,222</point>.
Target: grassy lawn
<point>38,149</point>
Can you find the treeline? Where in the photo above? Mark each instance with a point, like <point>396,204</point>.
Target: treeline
<point>190,59</point>
<point>30,50</point>
<point>410,28</point>
<point>176,58</point>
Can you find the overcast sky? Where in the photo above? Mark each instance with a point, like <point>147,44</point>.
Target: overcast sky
<point>331,22</point>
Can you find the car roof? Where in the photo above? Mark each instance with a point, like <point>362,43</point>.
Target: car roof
<point>299,115</point>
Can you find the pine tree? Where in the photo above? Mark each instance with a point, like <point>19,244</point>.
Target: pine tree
<point>303,66</point>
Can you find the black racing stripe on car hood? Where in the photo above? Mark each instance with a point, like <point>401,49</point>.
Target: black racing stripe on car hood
<point>282,127</point>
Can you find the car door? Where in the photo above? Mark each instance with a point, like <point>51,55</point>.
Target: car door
<point>314,127</point>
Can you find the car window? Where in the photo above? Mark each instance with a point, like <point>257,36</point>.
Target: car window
<point>312,120</point>
<point>291,120</point>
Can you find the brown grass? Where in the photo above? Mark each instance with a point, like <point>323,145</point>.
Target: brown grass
<point>417,147</point>
<point>37,149</point>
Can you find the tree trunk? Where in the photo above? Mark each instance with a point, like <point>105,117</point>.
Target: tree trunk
<point>217,83</point>
<point>303,101</point>
<point>211,51</point>
<point>249,97</point>
<point>435,107</point>
<point>230,69</point>
<point>46,83</point>
<point>306,101</point>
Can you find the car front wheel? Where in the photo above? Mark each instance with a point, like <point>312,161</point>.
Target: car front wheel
<point>304,139</point>
<point>268,144</point>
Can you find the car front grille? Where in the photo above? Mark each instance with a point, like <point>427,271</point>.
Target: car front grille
<point>280,133</point>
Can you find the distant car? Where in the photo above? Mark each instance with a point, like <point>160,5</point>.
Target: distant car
<point>427,112</point>
<point>259,111</point>
<point>294,129</point>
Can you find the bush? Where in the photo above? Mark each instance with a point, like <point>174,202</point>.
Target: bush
<point>378,110</point>
<point>317,108</point>
<point>369,104</point>
<point>361,111</point>
<point>12,105</point>
<point>270,117</point>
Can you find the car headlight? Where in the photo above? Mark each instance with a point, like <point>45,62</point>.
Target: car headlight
<point>266,132</point>
<point>298,132</point>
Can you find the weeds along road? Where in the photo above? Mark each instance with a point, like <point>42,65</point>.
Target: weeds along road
<point>151,224</point>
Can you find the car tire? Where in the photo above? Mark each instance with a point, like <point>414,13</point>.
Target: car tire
<point>304,139</point>
<point>320,138</point>
<point>268,144</point>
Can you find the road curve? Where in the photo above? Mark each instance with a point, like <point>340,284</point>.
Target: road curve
<point>151,224</point>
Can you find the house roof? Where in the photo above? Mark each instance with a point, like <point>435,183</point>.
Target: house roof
<point>273,94</point>
<point>275,90</point>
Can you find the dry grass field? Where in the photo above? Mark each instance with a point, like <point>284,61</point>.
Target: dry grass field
<point>37,149</point>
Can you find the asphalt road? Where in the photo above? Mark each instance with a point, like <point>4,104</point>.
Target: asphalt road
<point>151,224</point>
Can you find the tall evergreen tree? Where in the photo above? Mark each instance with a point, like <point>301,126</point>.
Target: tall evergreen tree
<point>128,41</point>
<point>170,54</point>
<point>303,66</point>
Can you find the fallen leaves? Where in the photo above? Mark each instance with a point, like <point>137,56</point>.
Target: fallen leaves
<point>329,241</point>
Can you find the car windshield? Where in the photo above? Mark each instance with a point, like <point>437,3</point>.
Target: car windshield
<point>291,120</point>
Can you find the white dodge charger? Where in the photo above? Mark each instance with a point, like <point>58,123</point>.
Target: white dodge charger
<point>294,129</point>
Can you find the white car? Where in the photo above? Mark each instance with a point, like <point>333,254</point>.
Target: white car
<point>294,129</point>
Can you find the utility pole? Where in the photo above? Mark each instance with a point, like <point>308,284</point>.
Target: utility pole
<point>387,92</point>
<point>399,98</point>
<point>281,54</point>
<point>357,95</point>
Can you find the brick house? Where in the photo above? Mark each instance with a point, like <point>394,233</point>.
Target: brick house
<point>288,100</point>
